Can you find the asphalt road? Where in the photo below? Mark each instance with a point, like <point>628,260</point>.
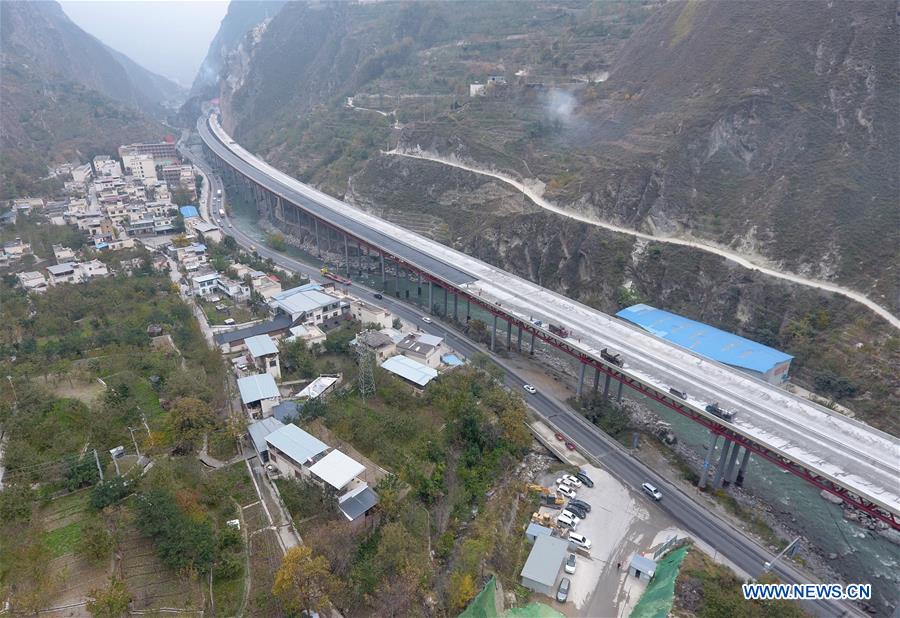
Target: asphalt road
<point>691,516</point>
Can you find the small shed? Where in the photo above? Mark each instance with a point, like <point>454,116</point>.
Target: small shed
<point>533,531</point>
<point>641,567</point>
<point>258,432</point>
<point>543,564</point>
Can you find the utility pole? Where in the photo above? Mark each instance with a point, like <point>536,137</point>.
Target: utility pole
<point>97,461</point>
<point>135,442</point>
<point>767,566</point>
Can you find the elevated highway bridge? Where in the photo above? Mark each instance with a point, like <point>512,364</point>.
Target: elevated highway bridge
<point>840,455</point>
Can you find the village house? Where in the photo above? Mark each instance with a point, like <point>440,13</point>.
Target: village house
<point>292,450</point>
<point>381,344</point>
<point>307,304</point>
<point>32,281</point>
<point>370,314</point>
<point>259,394</point>
<point>263,353</point>
<point>422,347</point>
<point>410,371</point>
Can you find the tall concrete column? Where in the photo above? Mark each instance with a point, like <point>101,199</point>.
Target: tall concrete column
<point>710,449</point>
<point>580,382</point>
<point>596,380</point>
<point>468,310</point>
<point>619,394</point>
<point>739,481</point>
<point>606,387</point>
<point>494,333</point>
<point>731,471</point>
<point>456,307</point>
<point>531,348</point>
<point>430,297</point>
<point>720,469</point>
<point>347,254</point>
<point>419,290</point>
<point>519,341</point>
<point>445,302</point>
<point>318,246</point>
<point>397,280</point>
<point>359,258</point>
<point>508,334</point>
<point>383,277</point>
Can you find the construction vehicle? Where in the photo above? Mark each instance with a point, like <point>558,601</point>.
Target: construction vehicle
<point>330,275</point>
<point>538,488</point>
<point>552,501</point>
<point>715,410</point>
<point>558,330</point>
<point>543,519</point>
<point>609,357</point>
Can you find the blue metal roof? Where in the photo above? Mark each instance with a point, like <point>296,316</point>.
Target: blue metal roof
<point>189,211</point>
<point>705,340</point>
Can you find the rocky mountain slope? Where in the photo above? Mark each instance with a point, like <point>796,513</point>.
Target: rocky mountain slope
<point>763,126</point>
<point>66,95</point>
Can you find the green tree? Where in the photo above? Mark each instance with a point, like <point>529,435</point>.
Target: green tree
<point>276,241</point>
<point>189,419</point>
<point>462,590</point>
<point>304,582</point>
<point>109,602</point>
<point>81,473</point>
<point>96,541</point>
<point>110,491</point>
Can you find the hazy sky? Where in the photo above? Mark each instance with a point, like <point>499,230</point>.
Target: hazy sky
<point>169,37</point>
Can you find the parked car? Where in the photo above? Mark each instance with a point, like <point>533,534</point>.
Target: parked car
<point>581,504</point>
<point>580,512</point>
<point>530,388</point>
<point>584,478</point>
<point>378,296</point>
<point>678,393</point>
<point>653,491</point>
<point>562,593</point>
<point>565,520</point>
<point>579,540</point>
<point>565,490</point>
<point>569,480</point>
<point>571,515</point>
<point>426,319</point>
<point>570,564</point>
<point>559,436</point>
<point>570,446</point>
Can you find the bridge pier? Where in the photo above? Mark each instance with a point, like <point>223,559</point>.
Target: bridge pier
<point>383,278</point>
<point>468,310</point>
<point>710,449</point>
<point>580,389</point>
<point>519,341</point>
<point>445,301</point>
<point>508,335</point>
<point>347,254</point>
<point>359,259</point>
<point>494,333</point>
<point>596,380</point>
<point>619,394</point>
<point>606,387</point>
<point>739,481</point>
<point>730,470</point>
<point>397,280</point>
<point>531,349</point>
<point>455,307</point>
<point>720,469</point>
<point>430,297</point>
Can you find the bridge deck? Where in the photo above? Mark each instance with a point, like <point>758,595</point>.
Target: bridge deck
<point>850,453</point>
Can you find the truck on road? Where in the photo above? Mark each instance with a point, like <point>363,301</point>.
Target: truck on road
<point>221,212</point>
<point>558,330</point>
<point>610,357</point>
<point>715,410</point>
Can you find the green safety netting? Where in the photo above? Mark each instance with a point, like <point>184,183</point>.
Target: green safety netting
<point>656,602</point>
<point>484,606</point>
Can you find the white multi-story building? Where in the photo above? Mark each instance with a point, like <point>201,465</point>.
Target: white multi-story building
<point>105,166</point>
<point>140,166</point>
<point>308,304</point>
<point>82,173</point>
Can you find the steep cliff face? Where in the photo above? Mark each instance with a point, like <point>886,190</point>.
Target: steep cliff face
<point>66,95</point>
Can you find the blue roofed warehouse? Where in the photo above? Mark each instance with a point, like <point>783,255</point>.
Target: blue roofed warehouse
<point>754,358</point>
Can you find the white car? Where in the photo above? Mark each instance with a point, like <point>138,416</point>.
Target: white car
<point>570,564</point>
<point>652,490</point>
<point>579,540</point>
<point>568,479</point>
<point>571,515</point>
<point>426,319</point>
<point>530,388</point>
<point>565,520</point>
<point>567,491</point>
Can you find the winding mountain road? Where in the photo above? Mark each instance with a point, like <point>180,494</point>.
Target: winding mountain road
<point>531,191</point>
